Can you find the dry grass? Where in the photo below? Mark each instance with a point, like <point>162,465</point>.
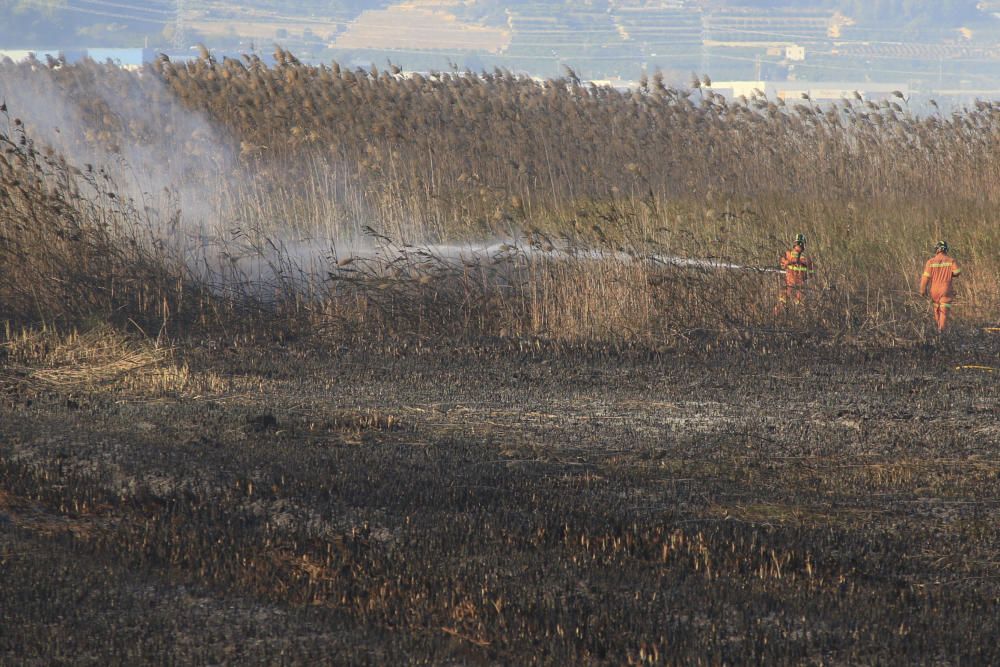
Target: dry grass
<point>327,153</point>
<point>100,358</point>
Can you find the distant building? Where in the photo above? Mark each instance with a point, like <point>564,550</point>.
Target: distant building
<point>818,91</point>
<point>834,91</point>
<point>734,89</point>
<point>795,52</point>
<point>125,58</point>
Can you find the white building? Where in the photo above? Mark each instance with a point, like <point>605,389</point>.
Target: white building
<point>795,53</point>
<point>818,91</point>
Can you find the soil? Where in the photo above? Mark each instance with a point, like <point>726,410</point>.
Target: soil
<point>509,504</point>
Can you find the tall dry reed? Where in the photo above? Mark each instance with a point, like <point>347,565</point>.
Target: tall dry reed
<point>322,152</point>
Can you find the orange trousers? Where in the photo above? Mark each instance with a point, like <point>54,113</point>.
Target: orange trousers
<point>790,294</point>
<point>941,308</point>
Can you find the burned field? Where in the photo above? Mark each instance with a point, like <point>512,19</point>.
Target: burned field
<point>252,412</point>
<point>505,505</point>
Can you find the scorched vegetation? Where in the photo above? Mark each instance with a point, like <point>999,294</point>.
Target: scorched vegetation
<point>257,411</point>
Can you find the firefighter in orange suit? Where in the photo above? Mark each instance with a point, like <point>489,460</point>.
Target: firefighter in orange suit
<point>938,274</point>
<point>798,268</point>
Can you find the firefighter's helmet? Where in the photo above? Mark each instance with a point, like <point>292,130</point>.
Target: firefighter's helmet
<point>941,246</point>
<point>800,240</point>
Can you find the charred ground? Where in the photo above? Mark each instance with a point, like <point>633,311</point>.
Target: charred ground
<point>510,461</point>
<point>507,504</point>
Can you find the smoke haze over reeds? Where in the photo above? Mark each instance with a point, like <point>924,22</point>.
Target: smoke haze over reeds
<point>273,180</point>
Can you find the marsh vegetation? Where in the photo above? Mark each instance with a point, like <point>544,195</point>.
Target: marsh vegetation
<point>216,448</point>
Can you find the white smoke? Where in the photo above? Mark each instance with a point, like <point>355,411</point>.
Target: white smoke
<point>174,164</point>
<point>202,201</point>
<point>176,150</point>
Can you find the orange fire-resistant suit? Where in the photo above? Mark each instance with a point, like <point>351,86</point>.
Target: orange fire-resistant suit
<point>798,269</point>
<point>938,272</point>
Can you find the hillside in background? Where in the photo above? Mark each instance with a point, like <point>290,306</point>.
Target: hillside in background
<point>882,13</point>
<point>919,44</point>
<point>82,23</point>
<point>49,24</point>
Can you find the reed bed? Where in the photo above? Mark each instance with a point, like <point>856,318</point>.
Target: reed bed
<point>319,155</point>
<point>275,413</point>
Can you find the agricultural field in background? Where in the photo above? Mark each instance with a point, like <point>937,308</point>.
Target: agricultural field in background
<point>253,412</point>
<point>420,26</point>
